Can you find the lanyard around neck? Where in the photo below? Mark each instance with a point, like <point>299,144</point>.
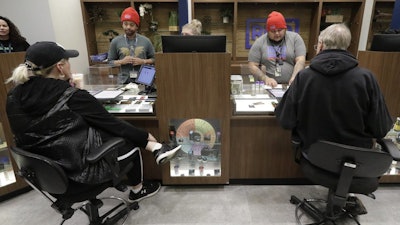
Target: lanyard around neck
<point>278,48</point>
<point>130,46</point>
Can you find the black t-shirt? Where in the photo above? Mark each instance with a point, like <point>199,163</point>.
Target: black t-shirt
<point>7,46</point>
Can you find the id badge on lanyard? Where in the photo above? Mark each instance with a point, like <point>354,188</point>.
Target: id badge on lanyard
<point>278,70</point>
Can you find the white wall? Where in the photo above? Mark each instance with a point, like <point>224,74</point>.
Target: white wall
<point>50,20</point>
<point>366,23</point>
<point>69,31</point>
<point>31,17</point>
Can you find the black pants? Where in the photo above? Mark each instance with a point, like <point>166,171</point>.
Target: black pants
<point>135,174</point>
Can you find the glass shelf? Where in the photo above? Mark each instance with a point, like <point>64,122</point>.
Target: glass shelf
<point>395,137</point>
<point>6,170</point>
<point>394,169</point>
<point>199,161</point>
<point>200,154</point>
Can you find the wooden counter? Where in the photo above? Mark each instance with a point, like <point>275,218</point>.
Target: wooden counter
<point>261,149</point>
<point>385,66</point>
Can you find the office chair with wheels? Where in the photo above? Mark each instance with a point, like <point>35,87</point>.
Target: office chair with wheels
<point>345,171</point>
<point>47,177</point>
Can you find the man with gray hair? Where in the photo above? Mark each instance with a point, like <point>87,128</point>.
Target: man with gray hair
<point>334,99</point>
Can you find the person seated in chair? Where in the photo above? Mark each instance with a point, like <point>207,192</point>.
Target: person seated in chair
<point>334,99</point>
<point>54,119</point>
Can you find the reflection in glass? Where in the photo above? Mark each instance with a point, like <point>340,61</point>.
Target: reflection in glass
<point>6,171</point>
<point>394,135</point>
<point>201,144</point>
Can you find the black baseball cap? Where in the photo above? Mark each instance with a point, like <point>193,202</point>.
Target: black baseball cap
<point>46,53</point>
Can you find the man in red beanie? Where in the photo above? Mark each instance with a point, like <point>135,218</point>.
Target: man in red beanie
<point>130,50</point>
<point>281,52</point>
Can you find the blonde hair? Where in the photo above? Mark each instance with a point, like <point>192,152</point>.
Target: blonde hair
<point>194,26</point>
<point>23,72</point>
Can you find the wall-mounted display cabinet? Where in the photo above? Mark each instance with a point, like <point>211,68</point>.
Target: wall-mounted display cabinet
<point>247,20</point>
<point>381,18</point>
<point>305,17</point>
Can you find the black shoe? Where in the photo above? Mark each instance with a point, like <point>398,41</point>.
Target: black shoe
<point>149,189</point>
<point>165,153</point>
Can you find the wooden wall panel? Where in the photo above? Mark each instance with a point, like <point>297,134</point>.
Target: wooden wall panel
<point>194,85</point>
<point>212,11</point>
<point>303,11</point>
<point>111,20</point>
<point>261,149</point>
<point>310,13</point>
<point>385,66</point>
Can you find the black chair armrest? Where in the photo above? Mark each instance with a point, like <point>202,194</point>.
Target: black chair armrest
<point>390,147</point>
<point>105,149</point>
<point>296,146</point>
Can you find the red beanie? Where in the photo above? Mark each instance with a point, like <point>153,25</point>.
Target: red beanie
<point>130,14</point>
<point>275,21</point>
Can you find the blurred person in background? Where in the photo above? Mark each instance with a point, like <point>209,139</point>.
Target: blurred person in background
<point>10,37</point>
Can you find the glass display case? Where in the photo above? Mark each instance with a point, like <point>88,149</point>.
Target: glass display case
<point>250,96</point>
<point>200,154</point>
<point>6,170</point>
<point>9,182</point>
<point>123,99</point>
<point>394,135</point>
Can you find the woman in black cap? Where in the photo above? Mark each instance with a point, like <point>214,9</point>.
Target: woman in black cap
<point>49,116</point>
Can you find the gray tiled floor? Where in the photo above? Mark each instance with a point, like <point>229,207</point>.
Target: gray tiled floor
<point>211,205</point>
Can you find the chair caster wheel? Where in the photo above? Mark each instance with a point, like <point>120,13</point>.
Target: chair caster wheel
<point>294,200</point>
<point>134,206</point>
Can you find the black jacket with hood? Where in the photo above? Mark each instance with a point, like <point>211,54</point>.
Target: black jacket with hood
<point>335,100</point>
<point>51,118</point>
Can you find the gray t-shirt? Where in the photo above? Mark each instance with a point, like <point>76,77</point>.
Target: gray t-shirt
<point>265,53</point>
<point>121,46</point>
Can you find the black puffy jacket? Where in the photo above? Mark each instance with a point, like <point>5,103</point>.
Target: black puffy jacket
<point>43,123</point>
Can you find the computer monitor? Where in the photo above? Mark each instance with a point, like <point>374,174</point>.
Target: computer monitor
<point>386,43</point>
<point>194,43</point>
<point>146,76</point>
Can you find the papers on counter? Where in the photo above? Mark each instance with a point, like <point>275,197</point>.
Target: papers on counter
<point>255,106</point>
<point>131,106</point>
<point>108,94</point>
<point>279,86</point>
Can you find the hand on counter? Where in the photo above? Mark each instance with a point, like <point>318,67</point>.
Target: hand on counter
<point>270,81</point>
<point>132,60</point>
